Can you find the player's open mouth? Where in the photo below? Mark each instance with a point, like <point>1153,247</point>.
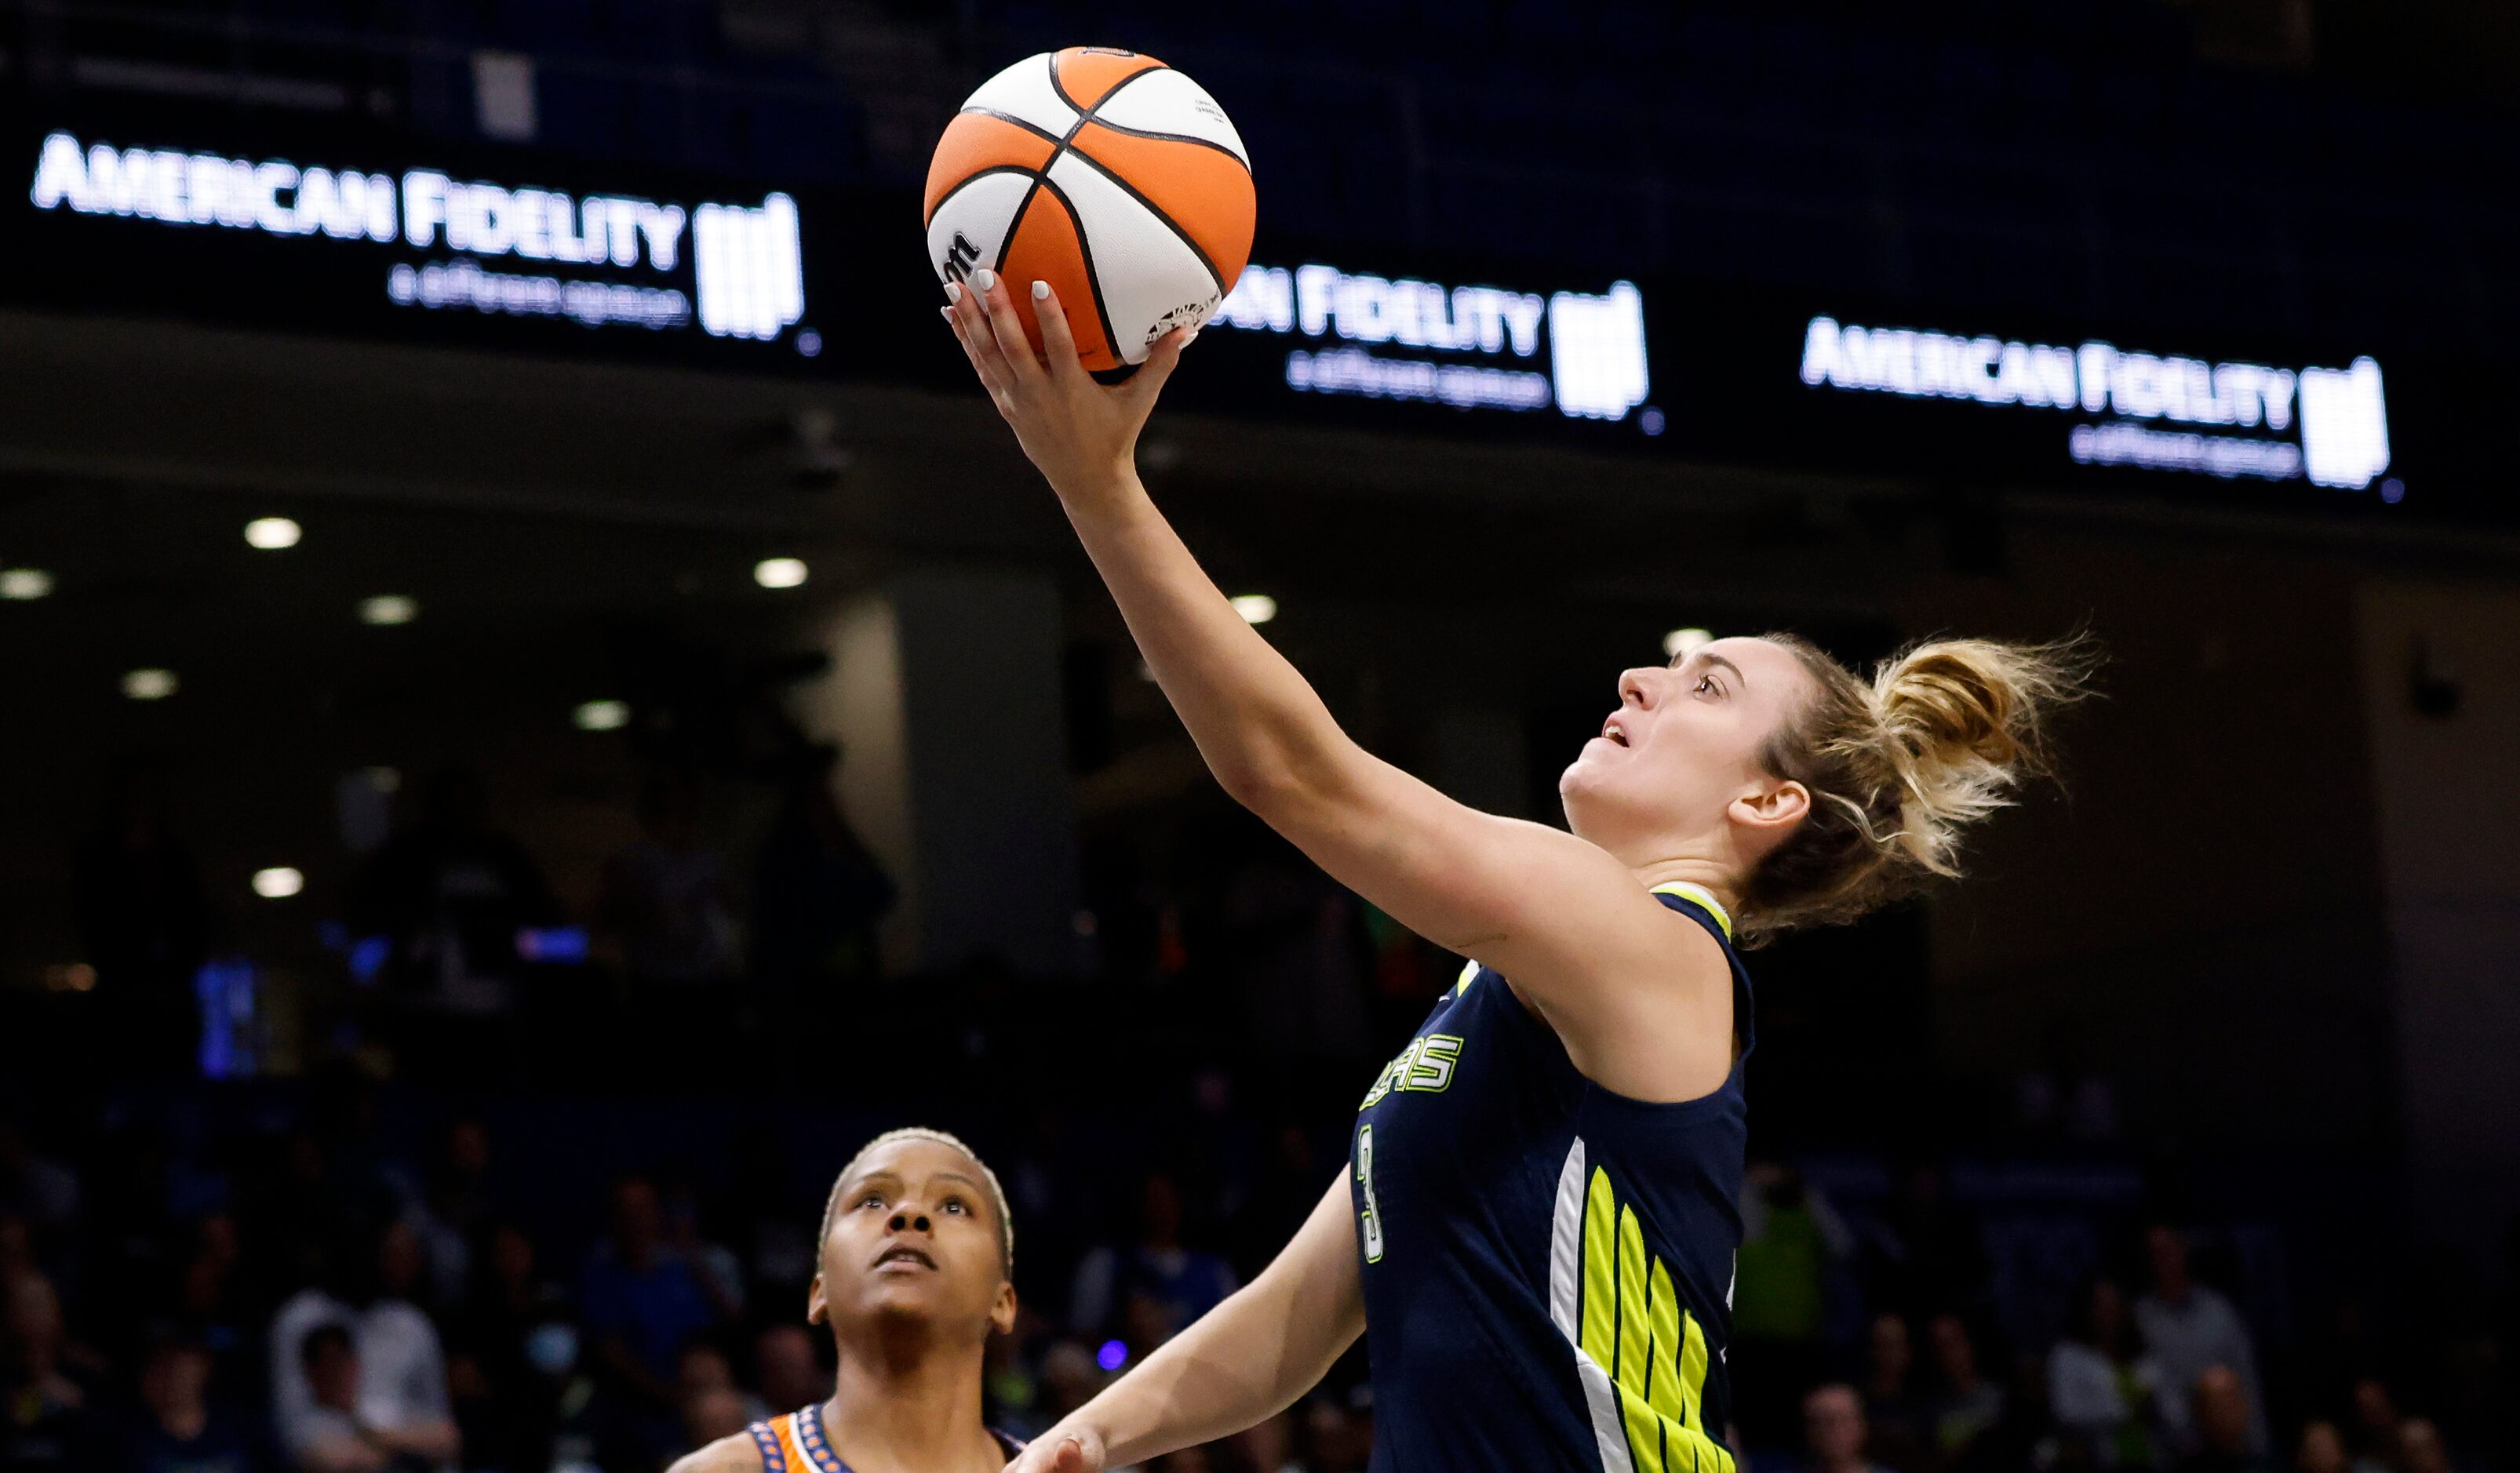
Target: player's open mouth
<point>891,1256</point>
<point>1610,732</point>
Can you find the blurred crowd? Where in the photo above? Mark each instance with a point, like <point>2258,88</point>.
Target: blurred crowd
<point>211,1290</point>
<point>537,1191</point>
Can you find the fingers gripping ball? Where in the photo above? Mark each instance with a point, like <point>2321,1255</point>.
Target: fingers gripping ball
<point>1107,174</point>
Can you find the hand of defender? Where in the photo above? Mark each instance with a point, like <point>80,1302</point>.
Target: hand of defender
<point>1082,435</point>
<point>1059,1450</point>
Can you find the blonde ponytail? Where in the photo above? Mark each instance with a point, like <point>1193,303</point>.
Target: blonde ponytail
<point>1944,734</point>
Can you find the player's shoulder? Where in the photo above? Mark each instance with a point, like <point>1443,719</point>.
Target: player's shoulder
<point>734,1453</point>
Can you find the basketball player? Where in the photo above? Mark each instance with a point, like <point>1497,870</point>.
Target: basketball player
<point>1538,1221</point>
<point>917,1251</point>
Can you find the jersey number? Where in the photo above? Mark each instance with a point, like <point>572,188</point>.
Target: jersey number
<point>1372,1218</point>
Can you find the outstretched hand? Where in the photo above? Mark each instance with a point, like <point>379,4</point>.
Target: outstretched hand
<point>1082,435</point>
<point>1058,1451</point>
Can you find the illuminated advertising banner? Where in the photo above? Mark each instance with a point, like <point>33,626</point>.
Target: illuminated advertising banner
<point>333,232</point>
<point>2227,420</point>
<point>337,240</point>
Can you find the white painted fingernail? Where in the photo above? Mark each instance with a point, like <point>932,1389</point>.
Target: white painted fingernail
<point>1190,338</point>
<point>953,292</point>
<point>985,279</point>
<point>946,313</point>
<point>1040,291</point>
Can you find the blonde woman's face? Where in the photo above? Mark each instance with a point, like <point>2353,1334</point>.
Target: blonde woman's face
<point>1683,746</point>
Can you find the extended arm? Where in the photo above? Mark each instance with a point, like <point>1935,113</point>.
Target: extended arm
<point>1243,1362</point>
<point>1563,918</point>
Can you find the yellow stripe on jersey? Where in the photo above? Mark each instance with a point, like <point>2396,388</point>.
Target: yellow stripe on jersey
<point>1704,897</point>
<point>1655,1350</point>
<point>1469,970</point>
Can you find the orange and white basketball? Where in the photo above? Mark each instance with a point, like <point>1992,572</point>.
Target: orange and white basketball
<point>1107,174</point>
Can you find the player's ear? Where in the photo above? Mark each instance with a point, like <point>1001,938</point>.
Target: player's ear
<point>1775,809</point>
<point>817,1309</point>
<point>1002,1315</point>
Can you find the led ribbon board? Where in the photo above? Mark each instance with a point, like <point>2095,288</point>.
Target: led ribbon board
<point>1470,347</point>
<point>602,260</point>
<point>2230,420</point>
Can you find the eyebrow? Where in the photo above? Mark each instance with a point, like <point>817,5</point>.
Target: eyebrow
<point>894,1177</point>
<point>1714,659</point>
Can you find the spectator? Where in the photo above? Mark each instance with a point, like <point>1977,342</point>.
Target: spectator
<point>512,1322</point>
<point>402,1389</point>
<point>136,894</point>
<point>1833,1429</point>
<point>1924,1254</point>
<point>817,889</point>
<point>701,1373</point>
<point>45,1417</point>
<point>1967,1403</point>
<point>176,1428</point>
<point>664,894</point>
<point>1790,1240</point>
<point>2224,1421</point>
<point>450,893</point>
<point>2420,1449</point>
<point>2376,1423</point>
<point>42,1192</point>
<point>324,1435</point>
<point>1901,1422</point>
<point>791,1372</point>
<point>1172,1284</point>
<point>213,1297</point>
<point>453,1210</point>
<point>2100,1384</point>
<point>711,1414</point>
<point>2190,1329</point>
<point>641,1298</point>
<point>399,1362</point>
<point>2322,1449</point>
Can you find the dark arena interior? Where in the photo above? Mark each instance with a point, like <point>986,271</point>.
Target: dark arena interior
<point>533,732</point>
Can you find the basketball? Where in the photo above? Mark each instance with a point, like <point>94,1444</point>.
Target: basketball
<point>1107,174</point>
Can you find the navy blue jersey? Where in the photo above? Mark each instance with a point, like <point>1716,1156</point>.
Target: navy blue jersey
<point>1547,1264</point>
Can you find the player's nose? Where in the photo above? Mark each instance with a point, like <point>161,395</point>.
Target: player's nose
<point>1639,686</point>
<point>910,1220</point>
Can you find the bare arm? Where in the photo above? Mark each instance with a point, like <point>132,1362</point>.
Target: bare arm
<point>1242,1362</point>
<point>1563,918</point>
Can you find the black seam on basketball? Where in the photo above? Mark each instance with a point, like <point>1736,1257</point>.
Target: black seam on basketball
<point>1049,63</point>
<point>1085,254</point>
<point>1204,143</point>
<point>968,180</point>
<point>1060,88</point>
<point>1214,273</point>
<point>1034,128</point>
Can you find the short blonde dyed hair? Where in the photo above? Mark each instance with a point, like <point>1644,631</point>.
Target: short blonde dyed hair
<point>933,1136</point>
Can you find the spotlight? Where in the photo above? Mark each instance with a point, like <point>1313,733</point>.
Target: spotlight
<point>278,883</point>
<point>1257,609</point>
<point>272,533</point>
<point>388,609</point>
<point>1679,643</point>
<point>779,573</point>
<point>25,584</point>
<point>148,685</point>
<point>603,716</point>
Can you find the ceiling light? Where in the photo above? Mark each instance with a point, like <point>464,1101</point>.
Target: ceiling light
<point>148,685</point>
<point>1681,644</point>
<point>778,572</point>
<point>1257,609</point>
<point>278,883</point>
<point>603,716</point>
<point>272,533</point>
<point>25,583</point>
<point>388,609</point>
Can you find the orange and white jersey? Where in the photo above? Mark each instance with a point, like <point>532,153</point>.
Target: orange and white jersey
<point>793,1442</point>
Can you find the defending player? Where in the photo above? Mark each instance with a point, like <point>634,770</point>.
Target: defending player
<point>917,1258</point>
<point>1537,1224</point>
